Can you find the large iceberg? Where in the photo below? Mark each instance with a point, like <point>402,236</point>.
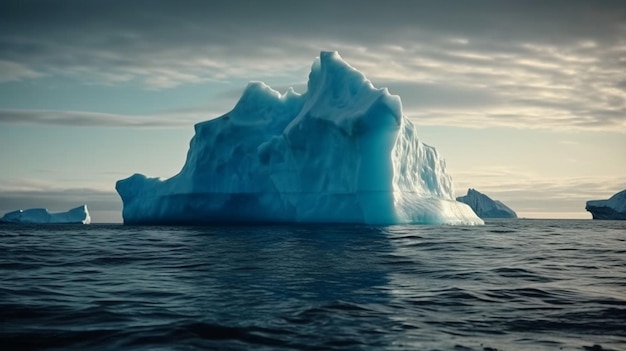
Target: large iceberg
<point>485,207</point>
<point>613,208</point>
<point>78,215</point>
<point>340,153</point>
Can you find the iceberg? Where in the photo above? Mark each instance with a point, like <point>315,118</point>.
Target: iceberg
<point>485,207</point>
<point>613,208</point>
<point>78,215</point>
<point>342,152</point>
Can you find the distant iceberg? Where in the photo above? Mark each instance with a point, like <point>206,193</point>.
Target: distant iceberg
<point>78,215</point>
<point>485,207</point>
<point>613,208</point>
<point>340,153</point>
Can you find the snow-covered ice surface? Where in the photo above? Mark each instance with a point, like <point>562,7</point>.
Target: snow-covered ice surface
<point>613,208</point>
<point>485,207</point>
<point>78,215</point>
<point>340,153</point>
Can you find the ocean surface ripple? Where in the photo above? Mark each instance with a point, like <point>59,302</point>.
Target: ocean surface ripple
<point>508,285</point>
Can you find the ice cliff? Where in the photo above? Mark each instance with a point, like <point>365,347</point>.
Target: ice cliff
<point>485,207</point>
<point>340,153</point>
<point>613,208</point>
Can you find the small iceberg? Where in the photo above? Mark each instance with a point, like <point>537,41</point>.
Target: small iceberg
<point>485,207</point>
<point>613,208</point>
<point>78,215</point>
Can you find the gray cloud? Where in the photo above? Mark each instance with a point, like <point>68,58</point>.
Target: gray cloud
<point>554,20</point>
<point>91,119</point>
<point>480,63</point>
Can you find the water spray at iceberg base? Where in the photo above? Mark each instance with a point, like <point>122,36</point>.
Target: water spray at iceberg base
<point>340,153</point>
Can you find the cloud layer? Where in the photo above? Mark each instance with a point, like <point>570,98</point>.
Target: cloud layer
<point>93,119</point>
<point>523,64</point>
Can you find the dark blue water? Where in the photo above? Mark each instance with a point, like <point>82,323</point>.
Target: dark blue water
<point>508,285</point>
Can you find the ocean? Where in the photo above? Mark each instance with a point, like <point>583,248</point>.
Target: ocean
<point>509,285</point>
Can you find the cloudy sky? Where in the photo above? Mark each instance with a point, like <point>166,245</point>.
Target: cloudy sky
<point>526,100</point>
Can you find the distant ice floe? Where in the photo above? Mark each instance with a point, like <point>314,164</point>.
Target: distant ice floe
<point>78,215</point>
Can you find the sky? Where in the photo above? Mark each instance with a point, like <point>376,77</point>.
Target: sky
<point>526,100</point>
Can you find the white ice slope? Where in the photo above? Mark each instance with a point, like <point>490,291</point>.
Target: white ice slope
<point>78,215</point>
<point>340,153</point>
